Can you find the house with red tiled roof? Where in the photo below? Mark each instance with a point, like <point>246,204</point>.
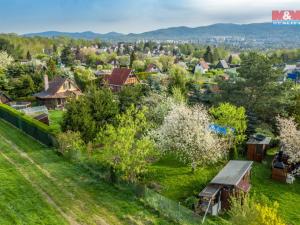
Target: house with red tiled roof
<point>57,92</point>
<point>202,67</point>
<point>120,77</point>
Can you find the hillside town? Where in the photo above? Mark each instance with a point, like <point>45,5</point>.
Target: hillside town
<point>149,131</point>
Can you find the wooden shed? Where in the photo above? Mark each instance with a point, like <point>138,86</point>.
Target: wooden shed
<point>280,167</point>
<point>256,147</point>
<point>232,179</point>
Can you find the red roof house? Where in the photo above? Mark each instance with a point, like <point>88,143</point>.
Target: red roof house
<point>120,77</point>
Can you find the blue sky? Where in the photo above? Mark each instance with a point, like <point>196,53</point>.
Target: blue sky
<point>24,16</point>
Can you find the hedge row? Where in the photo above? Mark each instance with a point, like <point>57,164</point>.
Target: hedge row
<point>32,127</point>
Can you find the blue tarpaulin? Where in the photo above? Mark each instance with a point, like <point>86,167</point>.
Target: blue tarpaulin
<point>293,76</point>
<point>219,129</point>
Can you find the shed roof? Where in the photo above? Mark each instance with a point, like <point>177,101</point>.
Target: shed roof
<point>223,64</point>
<point>232,173</point>
<point>210,191</point>
<point>255,141</point>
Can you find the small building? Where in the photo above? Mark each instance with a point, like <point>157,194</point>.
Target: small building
<point>57,92</point>
<point>280,167</point>
<point>202,67</point>
<point>256,147</point>
<point>152,68</point>
<point>222,64</point>
<point>234,178</point>
<point>120,77</point>
<point>4,99</point>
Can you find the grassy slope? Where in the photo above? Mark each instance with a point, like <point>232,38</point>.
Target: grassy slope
<point>20,203</point>
<point>77,194</point>
<point>55,117</point>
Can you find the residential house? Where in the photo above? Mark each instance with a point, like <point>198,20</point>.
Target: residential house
<point>4,99</point>
<point>152,68</point>
<point>57,92</point>
<point>232,179</point>
<point>120,77</point>
<point>202,67</point>
<point>222,64</point>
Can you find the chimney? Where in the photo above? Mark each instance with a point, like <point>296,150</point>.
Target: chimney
<point>46,82</point>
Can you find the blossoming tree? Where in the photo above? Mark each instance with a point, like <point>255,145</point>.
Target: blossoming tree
<point>290,138</point>
<point>185,132</point>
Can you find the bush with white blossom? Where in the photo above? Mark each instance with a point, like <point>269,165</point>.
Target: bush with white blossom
<point>185,132</point>
<point>290,138</point>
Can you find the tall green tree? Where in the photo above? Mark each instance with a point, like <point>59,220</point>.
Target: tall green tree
<point>216,54</point>
<point>133,57</point>
<point>208,55</point>
<point>28,56</point>
<point>90,113</point>
<point>178,78</point>
<point>24,86</point>
<point>231,117</point>
<point>67,56</point>
<point>257,88</point>
<point>124,147</point>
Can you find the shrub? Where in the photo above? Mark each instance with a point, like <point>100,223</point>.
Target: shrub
<point>70,144</point>
<point>244,210</point>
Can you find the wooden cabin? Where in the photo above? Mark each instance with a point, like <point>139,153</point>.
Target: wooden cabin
<point>232,179</point>
<point>256,147</point>
<point>120,77</point>
<point>57,92</point>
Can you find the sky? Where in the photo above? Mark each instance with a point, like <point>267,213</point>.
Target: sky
<point>131,16</point>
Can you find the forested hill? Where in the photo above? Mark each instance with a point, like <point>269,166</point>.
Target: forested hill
<point>252,31</point>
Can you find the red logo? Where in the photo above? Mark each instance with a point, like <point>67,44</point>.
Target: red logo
<point>286,15</point>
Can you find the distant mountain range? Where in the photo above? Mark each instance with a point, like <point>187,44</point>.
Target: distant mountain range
<point>254,31</point>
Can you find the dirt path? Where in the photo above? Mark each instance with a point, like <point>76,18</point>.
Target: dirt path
<point>88,199</point>
<point>68,216</point>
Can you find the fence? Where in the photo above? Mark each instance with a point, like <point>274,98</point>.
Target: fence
<point>37,110</point>
<point>30,126</point>
<point>170,208</point>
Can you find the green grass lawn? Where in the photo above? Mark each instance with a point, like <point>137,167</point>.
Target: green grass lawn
<point>55,117</point>
<point>39,187</point>
<point>176,181</point>
<point>287,195</point>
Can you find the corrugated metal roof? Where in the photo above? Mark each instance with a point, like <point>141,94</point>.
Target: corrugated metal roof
<point>253,140</point>
<point>232,173</point>
<point>210,190</point>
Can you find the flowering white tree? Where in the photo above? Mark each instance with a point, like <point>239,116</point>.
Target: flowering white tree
<point>185,132</point>
<point>5,60</point>
<point>290,138</point>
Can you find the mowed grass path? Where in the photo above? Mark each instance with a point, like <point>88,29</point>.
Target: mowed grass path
<point>40,187</point>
